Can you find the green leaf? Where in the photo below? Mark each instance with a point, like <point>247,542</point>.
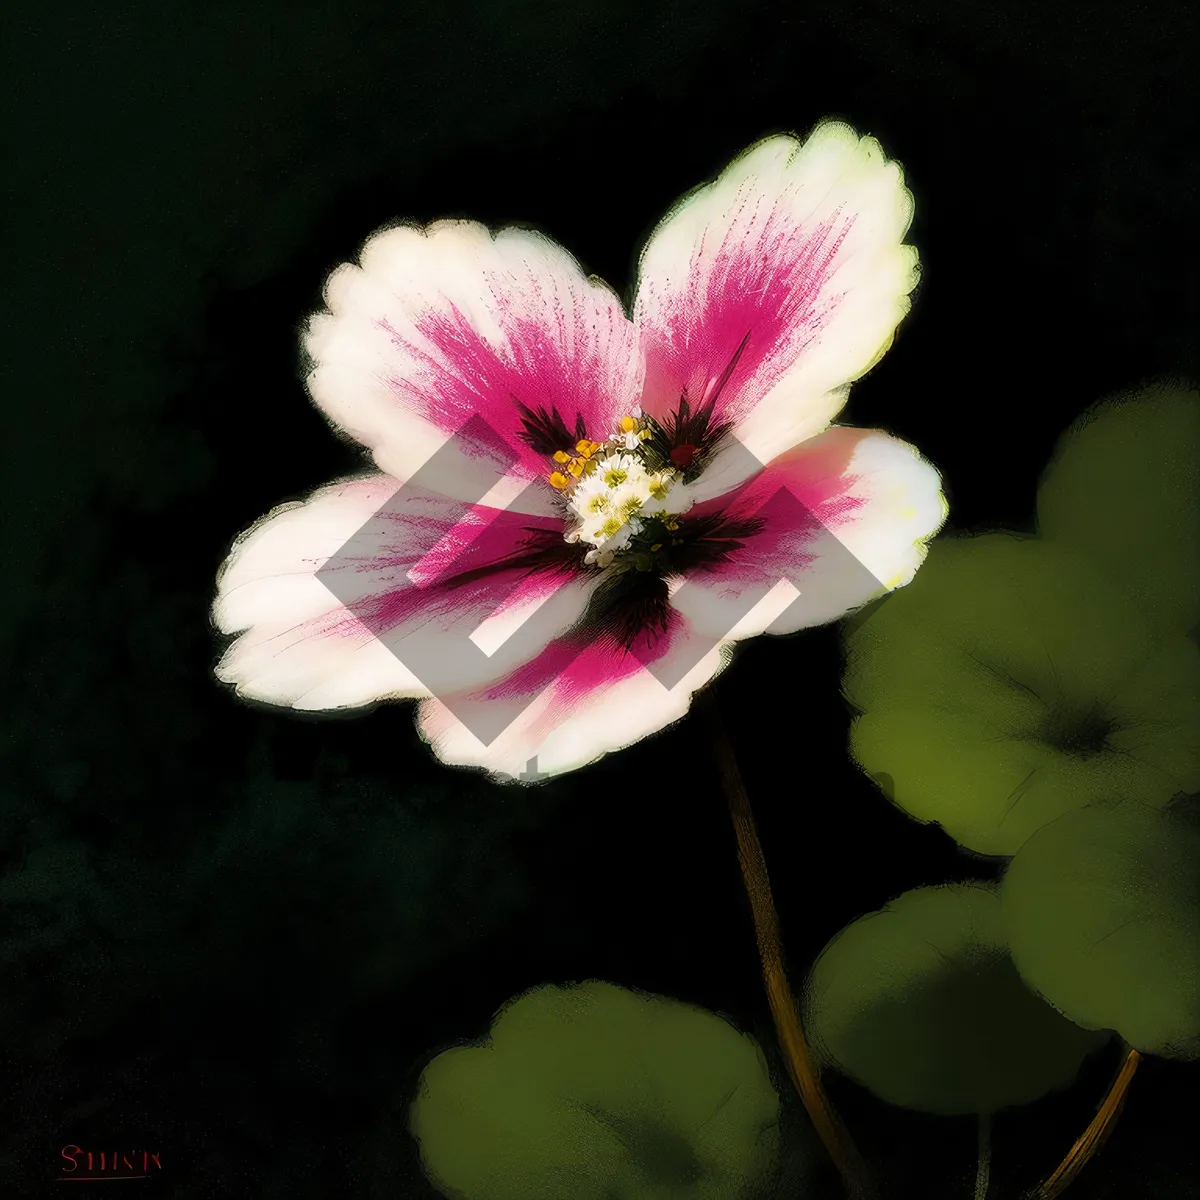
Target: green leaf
<point>921,1004</point>
<point>595,1092</point>
<point>1012,682</point>
<point>1103,911</point>
<point>1124,488</point>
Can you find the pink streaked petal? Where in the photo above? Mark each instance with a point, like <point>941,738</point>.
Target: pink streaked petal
<point>573,704</point>
<point>440,324</point>
<point>790,266</point>
<point>366,592</point>
<point>845,517</point>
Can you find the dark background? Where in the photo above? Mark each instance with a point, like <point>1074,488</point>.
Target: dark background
<point>234,936</point>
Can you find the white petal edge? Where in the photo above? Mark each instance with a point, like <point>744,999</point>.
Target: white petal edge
<point>906,508</point>
<point>409,270</point>
<point>269,594</point>
<point>875,270</point>
<point>604,723</point>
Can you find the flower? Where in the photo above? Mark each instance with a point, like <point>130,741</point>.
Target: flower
<point>609,570</point>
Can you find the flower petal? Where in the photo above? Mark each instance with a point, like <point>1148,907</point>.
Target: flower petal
<point>370,591</point>
<point>575,703</point>
<point>441,324</point>
<point>841,518</point>
<point>790,268</point>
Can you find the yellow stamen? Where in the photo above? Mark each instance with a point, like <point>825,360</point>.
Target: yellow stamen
<point>628,424</point>
<point>611,527</point>
<point>586,448</point>
<point>576,467</point>
<point>671,523</point>
<point>659,489</point>
<point>615,477</point>
<point>561,456</point>
<point>644,434</point>
<point>558,480</point>
<point>656,546</point>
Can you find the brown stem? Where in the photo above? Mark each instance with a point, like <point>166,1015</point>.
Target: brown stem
<point>1095,1135</point>
<point>983,1164</point>
<point>784,1009</point>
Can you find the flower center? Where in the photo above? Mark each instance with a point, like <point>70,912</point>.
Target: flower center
<point>618,498</point>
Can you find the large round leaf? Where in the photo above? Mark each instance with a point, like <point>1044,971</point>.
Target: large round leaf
<point>1012,682</point>
<point>1124,487</point>
<point>1103,911</point>
<point>921,1004</point>
<point>595,1092</point>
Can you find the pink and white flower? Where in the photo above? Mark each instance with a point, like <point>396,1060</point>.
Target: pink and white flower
<point>649,542</point>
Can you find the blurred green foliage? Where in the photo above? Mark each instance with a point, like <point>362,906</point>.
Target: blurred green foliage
<point>598,1093</point>
<point>921,1004</point>
<point>1038,696</point>
<point>1124,489</point>
<point>1011,682</point>
<point>1102,908</point>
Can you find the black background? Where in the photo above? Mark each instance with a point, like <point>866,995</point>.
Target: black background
<point>234,936</point>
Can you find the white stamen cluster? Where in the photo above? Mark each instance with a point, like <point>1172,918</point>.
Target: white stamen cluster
<point>616,492</point>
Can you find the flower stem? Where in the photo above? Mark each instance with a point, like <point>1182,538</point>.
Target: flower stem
<point>983,1169</point>
<point>1095,1135</point>
<point>784,1009</point>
